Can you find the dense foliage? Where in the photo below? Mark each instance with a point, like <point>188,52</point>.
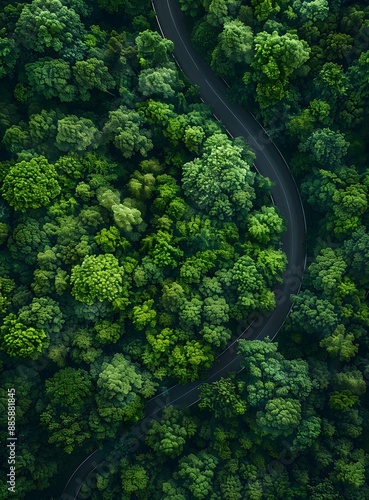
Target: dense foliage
<point>294,422</point>
<point>132,229</point>
<point>135,236</point>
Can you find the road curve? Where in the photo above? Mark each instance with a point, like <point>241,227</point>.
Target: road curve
<point>270,163</point>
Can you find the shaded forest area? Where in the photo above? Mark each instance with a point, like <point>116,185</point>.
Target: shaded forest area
<point>135,236</point>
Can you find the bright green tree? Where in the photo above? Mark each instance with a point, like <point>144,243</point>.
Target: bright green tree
<point>265,225</point>
<point>18,340</point>
<point>152,49</point>
<point>276,58</point>
<point>313,314</point>
<point>134,478</point>
<point>144,315</point>
<point>43,314</point>
<point>98,278</point>
<point>235,45</point>
<point>30,184</point>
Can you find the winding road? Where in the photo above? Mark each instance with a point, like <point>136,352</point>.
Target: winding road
<point>269,163</point>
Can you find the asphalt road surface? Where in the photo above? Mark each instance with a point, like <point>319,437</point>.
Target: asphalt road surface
<point>270,163</point>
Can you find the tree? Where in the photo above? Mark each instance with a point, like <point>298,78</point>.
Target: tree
<point>107,332</point>
<point>159,82</point>
<point>191,7</point>
<point>197,473</point>
<point>65,429</point>
<point>220,182</point>
<point>351,470</point>
<point>340,344</point>
<point>327,271</point>
<point>8,54</point>
<point>249,285</point>
<point>217,335</point>
<point>186,360</point>
<point>76,134</point>
<point>319,188</point>
<point>307,433</point>
<point>152,49</point>
<point>276,58</point>
<point>51,78</point>
<point>218,10</point>
<point>313,10</point>
<point>264,9</point>
<point>45,24</point>
<point>280,417</point>
<point>7,286</point>
<point>69,388</point>
<point>27,240</point>
<point>18,340</point>
<point>30,184</point>
<point>125,129</point>
<point>195,267</point>
<point>172,297</point>
<point>223,398</point>
<point>42,314</point>
<point>193,138</point>
<point>235,44</point>
<point>349,205</point>
<point>165,251</point>
<point>326,146</point>
<point>134,478</point>
<point>312,314</point>
<point>342,400</point>
<point>355,251</point>
<point>84,350</point>
<point>43,127</point>
<point>92,74</point>
<point>265,225</point>
<point>147,273</point>
<point>126,217</point>
<point>98,278</point>
<point>157,112</point>
<point>270,376</point>
<point>120,384</point>
<point>141,186</point>
<point>144,315</point>
<point>337,46</point>
<point>169,436</point>
<point>332,83</point>
<point>190,313</point>
<point>16,139</point>
<point>216,310</point>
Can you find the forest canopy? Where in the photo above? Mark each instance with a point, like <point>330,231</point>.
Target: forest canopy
<point>131,227</point>
<point>137,238</point>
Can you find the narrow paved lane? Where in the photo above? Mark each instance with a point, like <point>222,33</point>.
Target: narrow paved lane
<point>270,163</point>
